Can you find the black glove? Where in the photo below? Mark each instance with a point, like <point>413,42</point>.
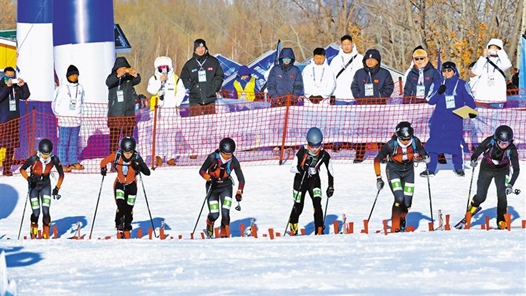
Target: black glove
<point>474,163</point>
<point>426,158</point>
<point>32,181</point>
<point>103,171</point>
<point>55,194</point>
<point>330,191</point>
<point>472,115</point>
<point>135,165</point>
<point>379,183</point>
<point>442,89</point>
<point>239,196</point>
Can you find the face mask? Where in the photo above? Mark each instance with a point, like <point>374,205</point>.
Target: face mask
<point>286,60</point>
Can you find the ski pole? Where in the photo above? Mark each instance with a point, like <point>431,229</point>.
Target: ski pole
<point>325,213</point>
<point>374,203</point>
<point>470,184</point>
<point>147,204</point>
<point>429,192</point>
<point>208,192</point>
<point>96,207</point>
<point>24,213</point>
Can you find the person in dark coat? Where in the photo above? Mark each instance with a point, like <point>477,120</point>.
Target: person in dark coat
<point>121,101</point>
<point>202,76</point>
<point>419,78</point>
<point>12,90</point>
<point>445,127</point>
<point>285,79</point>
<point>371,85</point>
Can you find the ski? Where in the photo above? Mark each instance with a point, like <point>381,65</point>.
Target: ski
<point>462,223</point>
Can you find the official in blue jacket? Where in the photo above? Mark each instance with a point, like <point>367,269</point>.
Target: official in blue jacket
<point>285,78</point>
<point>445,127</point>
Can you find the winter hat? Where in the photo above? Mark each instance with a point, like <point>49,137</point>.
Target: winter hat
<point>419,53</point>
<point>243,70</point>
<point>496,42</point>
<point>199,42</point>
<point>372,53</point>
<point>346,37</point>
<point>472,65</point>
<point>449,65</point>
<point>72,70</point>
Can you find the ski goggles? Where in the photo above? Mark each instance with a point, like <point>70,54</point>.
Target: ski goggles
<point>503,143</point>
<point>44,155</point>
<point>226,155</point>
<point>314,146</point>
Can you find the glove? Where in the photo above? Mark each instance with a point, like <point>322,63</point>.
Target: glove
<point>103,171</point>
<point>55,194</point>
<point>426,158</point>
<point>509,189</point>
<point>32,181</point>
<point>303,169</point>
<point>379,183</point>
<point>135,165</point>
<point>442,89</point>
<point>239,196</point>
<point>312,171</point>
<point>472,115</point>
<point>330,191</point>
<point>474,163</point>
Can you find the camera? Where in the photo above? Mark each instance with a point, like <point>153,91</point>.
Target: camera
<point>492,52</point>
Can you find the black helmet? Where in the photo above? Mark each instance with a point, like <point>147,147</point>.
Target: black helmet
<point>45,146</point>
<point>503,133</point>
<point>128,144</point>
<point>404,130</point>
<point>227,145</point>
<point>314,137</point>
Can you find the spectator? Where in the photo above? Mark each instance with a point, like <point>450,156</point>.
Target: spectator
<point>419,78</point>
<point>245,85</point>
<point>202,77</point>
<point>371,85</point>
<point>515,77</point>
<point>318,79</point>
<point>512,85</point>
<point>344,66</point>
<point>166,86</point>
<point>121,101</point>
<point>490,68</point>
<point>12,90</point>
<point>445,131</point>
<point>473,78</point>
<point>284,79</point>
<point>67,106</point>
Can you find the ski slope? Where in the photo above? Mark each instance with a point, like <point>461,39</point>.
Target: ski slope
<point>456,262</point>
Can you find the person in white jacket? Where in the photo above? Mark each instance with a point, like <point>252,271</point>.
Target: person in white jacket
<point>344,66</point>
<point>318,80</point>
<point>490,68</point>
<point>67,106</point>
<point>170,91</point>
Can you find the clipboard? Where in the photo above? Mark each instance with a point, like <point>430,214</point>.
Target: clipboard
<point>465,112</point>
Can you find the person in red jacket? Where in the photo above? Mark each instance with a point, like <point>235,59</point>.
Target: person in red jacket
<point>128,164</point>
<point>40,185</point>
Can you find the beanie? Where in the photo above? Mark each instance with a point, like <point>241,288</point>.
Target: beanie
<point>72,70</point>
<point>199,42</point>
<point>449,65</point>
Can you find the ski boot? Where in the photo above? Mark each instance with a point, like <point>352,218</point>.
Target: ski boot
<point>209,228</point>
<point>45,232</point>
<point>402,224</point>
<point>224,233</point>
<point>293,229</point>
<point>33,231</point>
<point>502,225</point>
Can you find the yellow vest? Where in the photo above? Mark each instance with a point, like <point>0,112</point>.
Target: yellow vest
<point>249,92</point>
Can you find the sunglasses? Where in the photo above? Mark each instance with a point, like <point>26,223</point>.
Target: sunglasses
<point>162,69</point>
<point>447,70</point>
<point>226,155</point>
<point>420,59</point>
<point>503,143</point>
<point>315,146</point>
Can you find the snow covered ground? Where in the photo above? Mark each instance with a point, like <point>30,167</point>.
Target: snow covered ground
<point>456,262</point>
